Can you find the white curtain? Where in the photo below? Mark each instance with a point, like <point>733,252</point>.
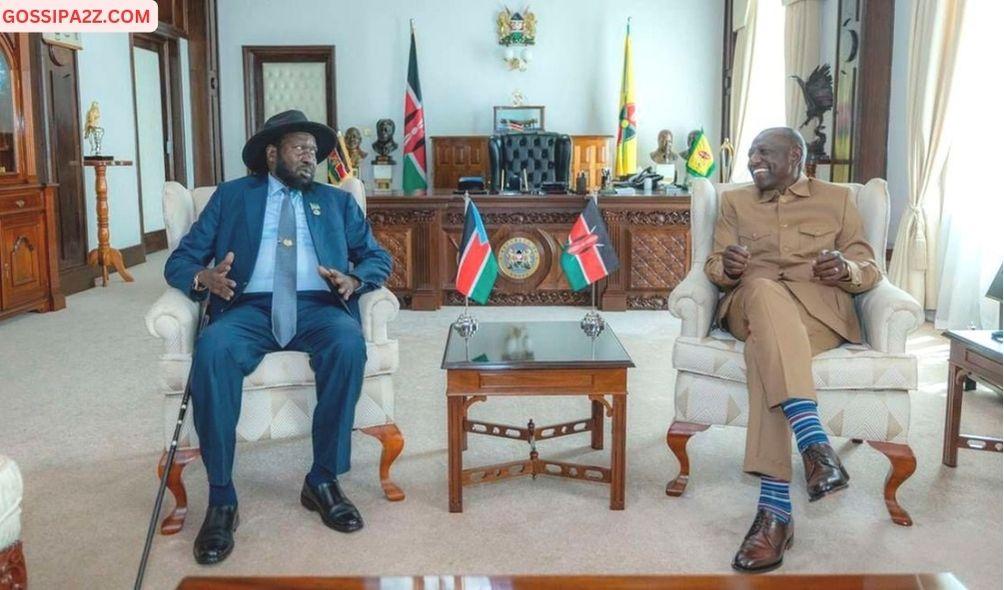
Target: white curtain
<point>801,53</point>
<point>934,42</point>
<point>744,26</point>
<point>757,98</point>
<point>970,248</point>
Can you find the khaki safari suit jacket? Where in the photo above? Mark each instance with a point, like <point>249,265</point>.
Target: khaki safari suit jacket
<point>784,233</point>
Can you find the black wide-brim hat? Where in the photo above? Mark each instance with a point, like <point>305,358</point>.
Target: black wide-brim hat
<point>278,125</point>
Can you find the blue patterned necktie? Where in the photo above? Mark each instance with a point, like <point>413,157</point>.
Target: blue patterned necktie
<point>284,279</point>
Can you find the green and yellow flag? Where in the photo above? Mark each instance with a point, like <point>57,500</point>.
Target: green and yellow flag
<point>701,161</point>
<point>627,130</point>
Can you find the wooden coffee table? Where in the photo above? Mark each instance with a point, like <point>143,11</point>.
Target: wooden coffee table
<point>536,359</point>
<point>973,355</point>
<point>942,581</point>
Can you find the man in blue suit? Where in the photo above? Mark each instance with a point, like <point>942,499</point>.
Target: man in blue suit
<point>292,257</point>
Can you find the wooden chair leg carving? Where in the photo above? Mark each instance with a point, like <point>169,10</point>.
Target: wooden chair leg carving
<point>13,570</point>
<point>173,522</point>
<point>393,442</point>
<point>903,464</point>
<point>677,436</point>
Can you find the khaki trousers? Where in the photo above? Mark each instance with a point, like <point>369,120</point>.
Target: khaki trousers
<point>781,339</point>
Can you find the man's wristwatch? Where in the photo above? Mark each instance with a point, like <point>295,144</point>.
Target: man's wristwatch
<point>196,285</point>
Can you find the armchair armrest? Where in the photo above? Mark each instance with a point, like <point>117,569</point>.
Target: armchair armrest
<point>376,309</point>
<point>888,315</point>
<point>694,301</point>
<point>173,318</point>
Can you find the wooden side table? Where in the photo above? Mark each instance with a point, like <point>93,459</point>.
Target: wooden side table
<point>500,361</point>
<point>104,255</point>
<point>973,355</point>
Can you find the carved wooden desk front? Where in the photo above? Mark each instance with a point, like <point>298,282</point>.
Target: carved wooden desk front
<point>650,234</point>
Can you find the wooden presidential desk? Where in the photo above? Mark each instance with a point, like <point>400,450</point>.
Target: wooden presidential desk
<point>651,235</point>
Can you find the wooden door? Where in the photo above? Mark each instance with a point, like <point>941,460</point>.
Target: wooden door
<point>160,134</point>
<point>459,156</point>
<point>22,238</point>
<point>62,109</point>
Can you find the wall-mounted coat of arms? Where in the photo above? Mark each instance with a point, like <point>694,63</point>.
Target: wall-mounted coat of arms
<point>515,28</point>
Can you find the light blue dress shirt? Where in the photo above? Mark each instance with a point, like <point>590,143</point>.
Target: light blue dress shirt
<point>307,278</point>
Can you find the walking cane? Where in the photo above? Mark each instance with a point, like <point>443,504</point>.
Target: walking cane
<point>203,318</point>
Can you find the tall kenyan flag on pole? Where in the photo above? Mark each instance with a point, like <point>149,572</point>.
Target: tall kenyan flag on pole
<point>477,268</point>
<point>414,180</point>
<point>589,256</point>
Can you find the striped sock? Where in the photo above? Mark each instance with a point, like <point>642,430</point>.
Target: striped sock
<point>774,497</point>
<point>803,416</point>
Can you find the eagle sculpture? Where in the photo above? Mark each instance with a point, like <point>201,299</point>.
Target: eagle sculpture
<point>818,94</point>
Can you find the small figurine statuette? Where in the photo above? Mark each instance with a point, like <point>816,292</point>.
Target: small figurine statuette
<point>92,131</point>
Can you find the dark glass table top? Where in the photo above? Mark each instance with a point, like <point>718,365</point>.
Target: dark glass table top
<point>979,340</point>
<point>534,345</point>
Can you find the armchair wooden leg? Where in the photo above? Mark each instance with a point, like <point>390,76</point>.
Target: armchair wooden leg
<point>903,464</point>
<point>173,522</point>
<point>677,436</point>
<point>13,570</point>
<point>393,442</point>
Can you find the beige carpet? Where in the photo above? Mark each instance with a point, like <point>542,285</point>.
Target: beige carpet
<point>80,414</point>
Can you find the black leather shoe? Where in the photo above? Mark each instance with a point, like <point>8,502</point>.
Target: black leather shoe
<point>824,473</point>
<point>336,511</point>
<point>763,548</point>
<point>216,537</point>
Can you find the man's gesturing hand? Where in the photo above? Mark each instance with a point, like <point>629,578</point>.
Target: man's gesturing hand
<point>830,267</point>
<point>735,259</point>
<point>345,284</point>
<point>215,279</point>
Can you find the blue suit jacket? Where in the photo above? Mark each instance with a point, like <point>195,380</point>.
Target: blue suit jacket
<point>232,222</point>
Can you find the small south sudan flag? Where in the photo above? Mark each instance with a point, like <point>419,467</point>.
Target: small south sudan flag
<point>477,268</point>
<point>589,256</point>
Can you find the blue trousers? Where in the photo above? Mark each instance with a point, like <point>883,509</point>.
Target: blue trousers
<point>234,343</point>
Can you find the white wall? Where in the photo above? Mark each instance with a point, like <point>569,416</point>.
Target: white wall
<point>105,75</point>
<point>575,73</point>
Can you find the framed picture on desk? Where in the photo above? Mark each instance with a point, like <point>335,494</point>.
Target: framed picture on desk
<point>523,118</point>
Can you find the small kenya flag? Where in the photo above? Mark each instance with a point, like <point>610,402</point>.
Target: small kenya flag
<point>589,256</point>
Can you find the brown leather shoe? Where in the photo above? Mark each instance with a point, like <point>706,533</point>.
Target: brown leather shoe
<point>763,548</point>
<point>824,474</point>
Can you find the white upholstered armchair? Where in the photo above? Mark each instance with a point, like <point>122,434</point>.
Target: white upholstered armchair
<point>13,570</point>
<point>279,396</point>
<point>863,390</point>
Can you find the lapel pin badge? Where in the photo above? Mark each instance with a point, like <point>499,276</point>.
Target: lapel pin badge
<point>315,208</point>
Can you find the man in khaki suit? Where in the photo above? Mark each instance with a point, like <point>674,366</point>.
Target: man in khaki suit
<point>789,252</point>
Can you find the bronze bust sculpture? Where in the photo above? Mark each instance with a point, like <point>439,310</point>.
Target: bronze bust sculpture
<point>353,143</point>
<point>664,153</point>
<point>385,143</point>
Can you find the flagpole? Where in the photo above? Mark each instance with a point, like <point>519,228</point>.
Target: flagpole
<point>465,324</point>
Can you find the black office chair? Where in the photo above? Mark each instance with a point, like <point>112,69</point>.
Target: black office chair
<point>546,157</point>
